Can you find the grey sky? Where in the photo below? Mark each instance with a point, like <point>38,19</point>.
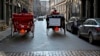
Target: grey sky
<point>44,0</point>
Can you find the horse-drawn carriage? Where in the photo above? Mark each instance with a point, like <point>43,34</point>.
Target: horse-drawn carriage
<point>56,22</point>
<point>22,23</point>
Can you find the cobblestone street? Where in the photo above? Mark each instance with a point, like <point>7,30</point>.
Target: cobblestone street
<point>52,53</point>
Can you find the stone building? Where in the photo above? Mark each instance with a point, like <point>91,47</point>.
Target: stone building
<point>90,8</point>
<point>5,12</point>
<point>44,7</point>
<point>28,4</point>
<point>60,5</point>
<point>30,7</point>
<point>37,7</point>
<point>1,9</point>
<point>68,8</point>
<point>7,7</point>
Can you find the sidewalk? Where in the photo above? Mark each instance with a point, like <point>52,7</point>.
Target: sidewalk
<point>4,34</point>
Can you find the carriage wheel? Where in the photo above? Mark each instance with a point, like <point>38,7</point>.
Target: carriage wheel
<point>47,32</point>
<point>33,31</point>
<point>64,32</point>
<point>61,29</point>
<point>65,29</point>
<point>12,30</point>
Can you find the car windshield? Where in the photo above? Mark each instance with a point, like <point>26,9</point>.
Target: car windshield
<point>98,20</point>
<point>80,21</point>
<point>73,19</point>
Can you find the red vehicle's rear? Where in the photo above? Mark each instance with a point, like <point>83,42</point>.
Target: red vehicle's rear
<point>23,23</point>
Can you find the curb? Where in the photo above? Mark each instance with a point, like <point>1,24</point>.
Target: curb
<point>5,33</point>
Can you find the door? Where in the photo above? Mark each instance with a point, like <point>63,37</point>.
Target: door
<point>84,27</point>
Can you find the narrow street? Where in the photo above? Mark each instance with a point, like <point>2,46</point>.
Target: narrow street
<point>26,16</point>
<point>41,43</point>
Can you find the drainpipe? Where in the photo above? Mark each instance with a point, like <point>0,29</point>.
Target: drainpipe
<point>95,8</point>
<point>4,5</point>
<point>86,15</point>
<point>80,8</point>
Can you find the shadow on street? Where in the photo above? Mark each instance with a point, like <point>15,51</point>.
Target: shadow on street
<point>57,35</point>
<point>17,39</point>
<point>96,43</point>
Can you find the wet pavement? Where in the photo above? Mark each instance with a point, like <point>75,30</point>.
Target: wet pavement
<point>41,43</point>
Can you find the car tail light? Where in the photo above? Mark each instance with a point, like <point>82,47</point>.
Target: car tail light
<point>98,29</point>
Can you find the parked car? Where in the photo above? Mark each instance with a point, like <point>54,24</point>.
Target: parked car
<point>80,22</point>
<point>40,18</point>
<point>90,29</point>
<point>73,23</point>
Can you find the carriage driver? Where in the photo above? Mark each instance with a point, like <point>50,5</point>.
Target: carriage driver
<point>54,12</point>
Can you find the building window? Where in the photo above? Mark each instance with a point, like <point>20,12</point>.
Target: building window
<point>1,9</point>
